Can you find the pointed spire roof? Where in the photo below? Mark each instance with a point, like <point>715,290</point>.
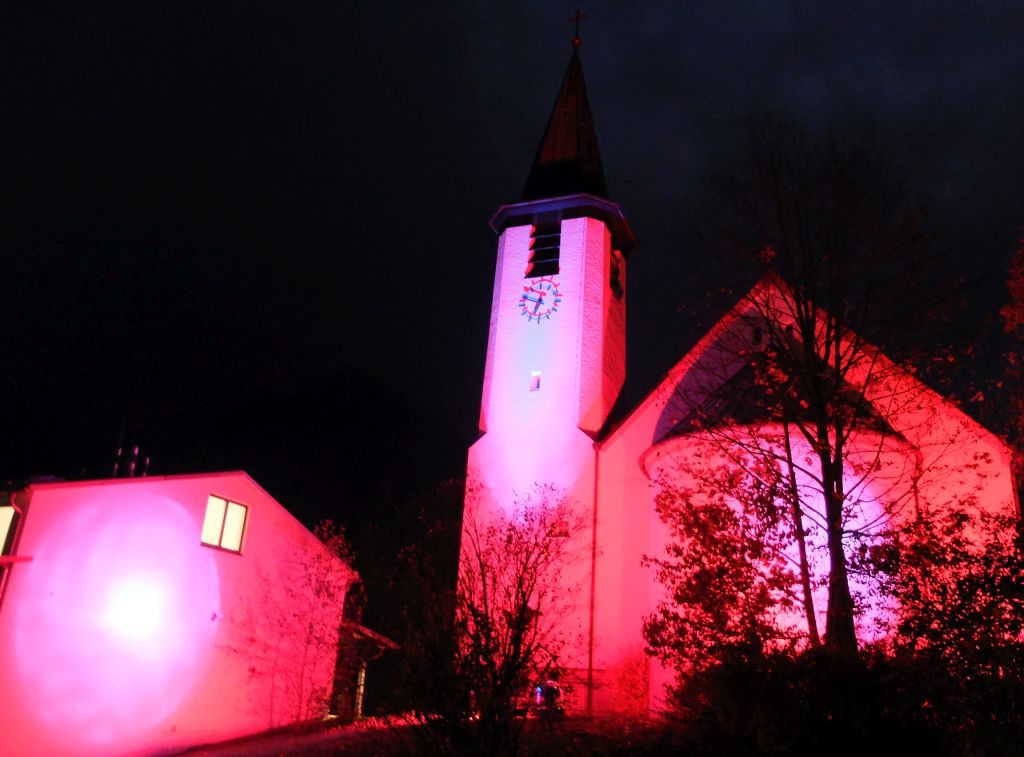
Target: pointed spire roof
<point>567,179</point>
<point>568,160</point>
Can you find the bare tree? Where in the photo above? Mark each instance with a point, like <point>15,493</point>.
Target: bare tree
<point>502,628</point>
<point>511,606</point>
<point>848,264</point>
<point>291,630</point>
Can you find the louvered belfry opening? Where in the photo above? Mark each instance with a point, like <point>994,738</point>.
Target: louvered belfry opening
<point>615,276</point>
<point>545,241</point>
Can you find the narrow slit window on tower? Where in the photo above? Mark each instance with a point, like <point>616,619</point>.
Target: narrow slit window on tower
<point>615,278</point>
<point>224,524</point>
<point>534,381</point>
<point>545,241</point>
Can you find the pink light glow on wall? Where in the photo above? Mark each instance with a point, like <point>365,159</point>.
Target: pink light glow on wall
<point>877,502</point>
<point>113,631</point>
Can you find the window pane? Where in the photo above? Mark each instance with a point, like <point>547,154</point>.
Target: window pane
<point>213,521</point>
<point>234,524</point>
<point>6,517</point>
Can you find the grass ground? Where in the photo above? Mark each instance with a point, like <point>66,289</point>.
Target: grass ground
<point>571,735</point>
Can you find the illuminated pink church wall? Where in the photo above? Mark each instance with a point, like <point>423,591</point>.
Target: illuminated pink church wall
<point>936,457</point>
<point>878,503</point>
<point>125,634</point>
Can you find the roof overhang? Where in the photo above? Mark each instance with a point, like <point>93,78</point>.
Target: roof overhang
<point>370,640</point>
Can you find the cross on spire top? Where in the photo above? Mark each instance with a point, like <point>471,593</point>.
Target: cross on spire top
<point>575,19</point>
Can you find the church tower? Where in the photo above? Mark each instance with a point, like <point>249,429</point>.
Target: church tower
<point>556,350</point>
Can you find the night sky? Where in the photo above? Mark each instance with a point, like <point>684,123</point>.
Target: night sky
<point>254,234</point>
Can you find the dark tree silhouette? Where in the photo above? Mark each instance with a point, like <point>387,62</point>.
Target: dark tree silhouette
<point>471,653</point>
<point>824,220</point>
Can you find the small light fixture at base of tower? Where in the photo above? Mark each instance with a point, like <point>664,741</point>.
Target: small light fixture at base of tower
<point>534,381</point>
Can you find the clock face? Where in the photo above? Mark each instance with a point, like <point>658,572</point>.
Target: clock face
<point>540,299</point>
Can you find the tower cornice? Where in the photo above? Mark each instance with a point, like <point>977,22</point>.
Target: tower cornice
<point>566,207</point>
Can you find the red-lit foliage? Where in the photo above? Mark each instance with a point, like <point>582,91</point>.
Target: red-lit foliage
<point>947,679</point>
<point>726,571</point>
<point>961,620</point>
<point>1013,311</point>
<point>961,597</point>
<point>1013,381</point>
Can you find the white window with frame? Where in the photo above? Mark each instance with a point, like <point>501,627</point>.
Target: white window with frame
<point>224,524</point>
<point>7,524</point>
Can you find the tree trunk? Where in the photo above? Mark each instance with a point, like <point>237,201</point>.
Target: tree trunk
<point>801,542</point>
<point>840,634</point>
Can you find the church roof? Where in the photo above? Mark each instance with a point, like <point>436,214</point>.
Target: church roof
<point>568,160</point>
<point>745,400</point>
<point>692,397</point>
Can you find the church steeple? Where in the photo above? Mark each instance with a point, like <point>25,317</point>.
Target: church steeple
<point>567,178</point>
<point>556,346</point>
<point>568,160</point>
